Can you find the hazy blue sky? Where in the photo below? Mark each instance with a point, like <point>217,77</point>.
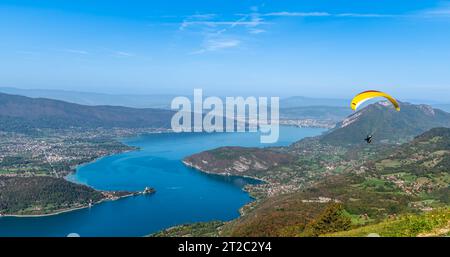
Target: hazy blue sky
<point>314,48</point>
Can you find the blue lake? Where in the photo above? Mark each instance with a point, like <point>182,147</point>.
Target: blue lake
<point>183,195</point>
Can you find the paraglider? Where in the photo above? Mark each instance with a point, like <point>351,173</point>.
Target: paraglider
<point>367,95</point>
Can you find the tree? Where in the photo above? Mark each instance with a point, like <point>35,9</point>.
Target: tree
<point>332,219</point>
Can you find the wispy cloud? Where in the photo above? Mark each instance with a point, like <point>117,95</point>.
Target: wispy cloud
<point>75,51</point>
<point>441,11</point>
<point>327,14</point>
<point>367,15</point>
<point>211,20</point>
<point>240,22</point>
<point>205,16</point>
<point>217,44</point>
<point>256,31</point>
<point>123,54</point>
<point>220,34</point>
<point>298,14</point>
<point>116,53</point>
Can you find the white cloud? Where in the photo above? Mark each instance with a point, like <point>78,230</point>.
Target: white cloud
<point>433,13</point>
<point>123,54</point>
<point>251,23</point>
<point>256,31</point>
<point>441,11</point>
<point>208,20</point>
<point>326,14</point>
<point>256,19</point>
<point>212,45</point>
<point>213,30</point>
<point>364,15</point>
<point>75,51</point>
<point>298,14</point>
<point>206,16</point>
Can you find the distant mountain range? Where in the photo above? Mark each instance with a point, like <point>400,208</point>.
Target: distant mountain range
<point>163,100</point>
<point>445,107</point>
<point>295,107</point>
<point>87,98</point>
<point>21,114</point>
<point>386,124</point>
<point>146,101</point>
<point>332,113</point>
<point>301,101</point>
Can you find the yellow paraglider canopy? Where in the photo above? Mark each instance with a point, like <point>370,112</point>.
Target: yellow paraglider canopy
<point>367,95</point>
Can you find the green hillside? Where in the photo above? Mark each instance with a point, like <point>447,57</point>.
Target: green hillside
<point>434,223</point>
<point>387,125</point>
<point>23,114</point>
<point>369,184</point>
<point>43,194</point>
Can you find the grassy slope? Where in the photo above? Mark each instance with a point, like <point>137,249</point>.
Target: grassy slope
<point>434,223</point>
<point>288,215</point>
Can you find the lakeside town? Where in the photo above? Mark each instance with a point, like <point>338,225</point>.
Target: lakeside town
<point>56,152</point>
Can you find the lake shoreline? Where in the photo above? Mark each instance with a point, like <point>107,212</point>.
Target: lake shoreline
<point>74,170</point>
<point>188,164</point>
<point>164,155</point>
<point>241,213</point>
<point>62,211</point>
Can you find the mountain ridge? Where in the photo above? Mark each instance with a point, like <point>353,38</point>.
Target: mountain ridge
<point>23,113</point>
<point>387,125</point>
<point>160,101</point>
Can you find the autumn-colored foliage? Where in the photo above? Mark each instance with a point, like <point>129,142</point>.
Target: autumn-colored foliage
<point>333,219</point>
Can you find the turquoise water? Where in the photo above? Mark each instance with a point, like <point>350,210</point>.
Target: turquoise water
<point>183,195</point>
